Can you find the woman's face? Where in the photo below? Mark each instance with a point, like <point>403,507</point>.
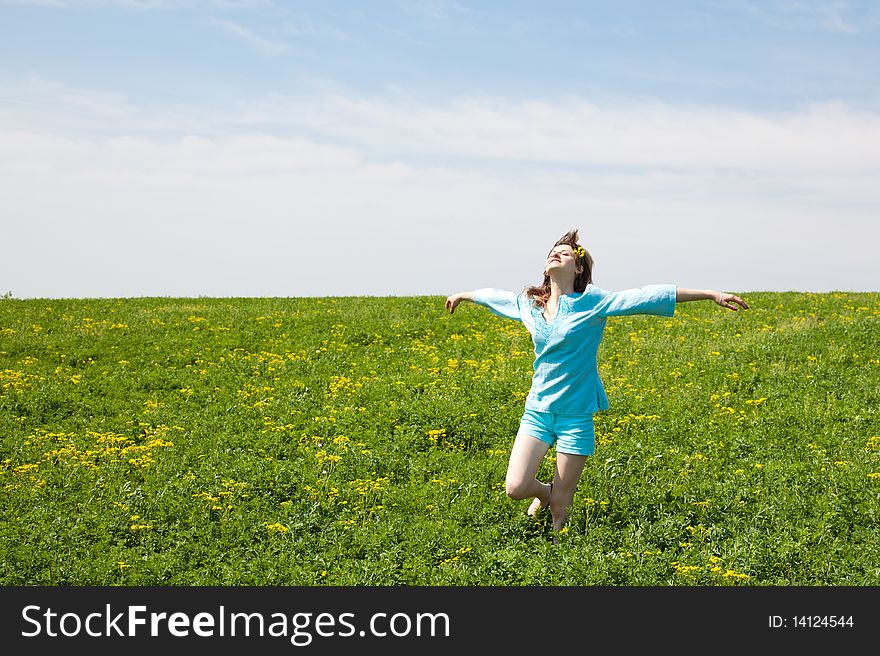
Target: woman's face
<point>562,259</point>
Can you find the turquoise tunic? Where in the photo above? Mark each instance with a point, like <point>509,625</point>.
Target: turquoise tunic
<point>566,376</point>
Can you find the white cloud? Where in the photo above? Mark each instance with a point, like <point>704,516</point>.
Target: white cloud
<point>262,44</point>
<point>44,3</point>
<point>149,4</point>
<point>826,15</point>
<point>103,197</point>
<point>306,27</point>
<point>830,137</point>
<point>436,9</point>
<point>128,4</point>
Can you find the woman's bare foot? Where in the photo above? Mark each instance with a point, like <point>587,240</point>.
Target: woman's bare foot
<point>538,504</point>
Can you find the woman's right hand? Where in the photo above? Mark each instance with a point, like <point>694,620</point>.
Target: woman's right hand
<point>728,300</point>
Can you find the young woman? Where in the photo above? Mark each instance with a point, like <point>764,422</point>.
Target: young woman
<point>566,316</point>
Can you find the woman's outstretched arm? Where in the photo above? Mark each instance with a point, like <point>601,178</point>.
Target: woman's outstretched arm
<point>453,300</point>
<point>729,301</point>
<point>501,302</point>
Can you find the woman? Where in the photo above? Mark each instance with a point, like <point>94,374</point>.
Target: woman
<point>566,316</point>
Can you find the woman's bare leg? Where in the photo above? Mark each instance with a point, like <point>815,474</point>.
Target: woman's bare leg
<point>565,481</point>
<point>520,483</point>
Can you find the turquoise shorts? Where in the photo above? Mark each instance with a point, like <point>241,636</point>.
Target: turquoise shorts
<point>572,434</point>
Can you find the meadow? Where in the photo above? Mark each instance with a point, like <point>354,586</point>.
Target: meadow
<point>364,441</point>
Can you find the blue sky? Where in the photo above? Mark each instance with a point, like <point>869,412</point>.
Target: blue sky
<point>220,148</point>
<point>768,55</point>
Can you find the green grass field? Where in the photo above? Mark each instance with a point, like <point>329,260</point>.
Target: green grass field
<point>364,441</point>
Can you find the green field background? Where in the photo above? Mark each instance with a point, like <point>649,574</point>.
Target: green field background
<point>364,441</point>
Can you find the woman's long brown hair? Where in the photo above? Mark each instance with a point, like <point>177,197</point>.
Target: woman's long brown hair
<point>541,293</point>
